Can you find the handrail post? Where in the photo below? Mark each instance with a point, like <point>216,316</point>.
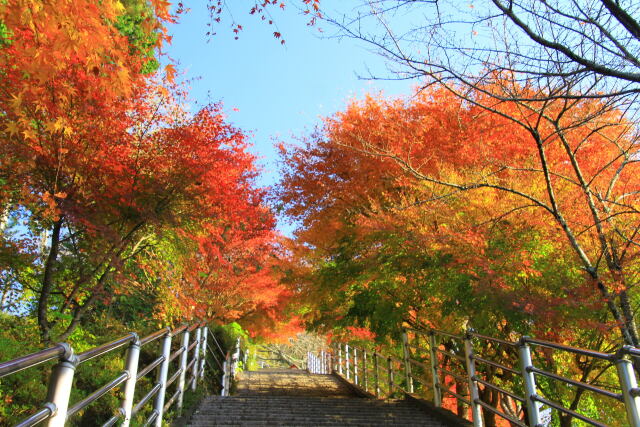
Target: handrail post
<point>203,351</point>
<point>183,366</point>
<point>628,383</point>
<point>196,357</point>
<point>346,361</point>
<point>474,396</point>
<point>131,366</point>
<point>407,363</point>
<point>355,365</point>
<point>60,383</point>
<point>437,393</point>
<point>234,358</point>
<point>376,374</point>
<point>339,359</point>
<point>391,383</point>
<point>533,407</point>
<point>225,369</point>
<point>162,378</point>
<point>365,374</point>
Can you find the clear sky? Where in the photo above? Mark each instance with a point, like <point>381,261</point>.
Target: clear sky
<point>279,91</point>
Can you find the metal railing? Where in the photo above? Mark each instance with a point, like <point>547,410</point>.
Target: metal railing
<point>183,374</point>
<point>438,362</point>
<point>320,363</point>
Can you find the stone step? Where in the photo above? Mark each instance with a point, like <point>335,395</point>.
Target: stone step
<point>296,398</point>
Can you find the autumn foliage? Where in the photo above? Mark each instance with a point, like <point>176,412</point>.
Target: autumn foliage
<point>113,194</point>
<point>434,211</point>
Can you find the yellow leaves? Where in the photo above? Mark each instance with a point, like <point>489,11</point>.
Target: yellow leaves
<point>29,134</point>
<point>16,102</point>
<point>59,125</point>
<point>12,128</point>
<point>119,8</point>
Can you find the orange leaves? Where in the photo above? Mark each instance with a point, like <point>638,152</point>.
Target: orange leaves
<point>170,72</point>
<point>434,177</point>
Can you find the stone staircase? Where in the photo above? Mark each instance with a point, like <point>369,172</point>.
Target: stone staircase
<point>293,397</point>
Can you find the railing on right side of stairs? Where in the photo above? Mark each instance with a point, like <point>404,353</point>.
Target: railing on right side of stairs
<point>187,372</point>
<point>432,357</point>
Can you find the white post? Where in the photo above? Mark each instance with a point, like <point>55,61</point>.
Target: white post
<point>365,374</point>
<point>346,361</point>
<point>376,373</point>
<point>60,384</point>
<point>203,351</point>
<point>196,357</point>
<point>474,396</point>
<point>628,383</point>
<point>162,379</point>
<point>131,366</point>
<point>407,363</point>
<point>533,407</point>
<point>437,393</point>
<point>355,366</point>
<point>183,367</point>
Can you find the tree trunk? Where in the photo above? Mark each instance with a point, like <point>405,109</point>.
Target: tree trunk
<point>47,283</point>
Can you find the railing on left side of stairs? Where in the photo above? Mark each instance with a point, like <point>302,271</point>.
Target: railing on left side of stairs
<point>187,371</point>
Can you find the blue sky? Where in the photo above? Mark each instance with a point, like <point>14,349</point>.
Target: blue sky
<point>279,91</point>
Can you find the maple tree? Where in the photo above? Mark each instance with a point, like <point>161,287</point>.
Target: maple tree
<point>112,177</point>
<point>432,211</point>
<point>262,9</point>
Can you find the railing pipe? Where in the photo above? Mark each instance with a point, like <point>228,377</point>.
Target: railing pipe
<point>203,351</point>
<point>235,358</point>
<point>183,367</point>
<point>365,373</point>
<point>474,397</point>
<point>435,377</point>
<point>196,358</point>
<point>162,379</point>
<point>376,374</point>
<point>346,361</point>
<point>131,367</point>
<point>16,365</point>
<point>533,406</point>
<point>355,366</point>
<point>390,375</point>
<point>629,384</point>
<point>339,359</point>
<point>60,384</point>
<point>407,364</point>
<point>105,348</point>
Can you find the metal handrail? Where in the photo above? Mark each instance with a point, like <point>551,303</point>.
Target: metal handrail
<point>106,348</point>
<point>431,361</point>
<point>580,384</point>
<point>500,413</point>
<point>58,410</point>
<point>493,339</point>
<point>576,350</point>
<point>42,415</point>
<point>146,398</point>
<point>97,394</point>
<point>154,336</point>
<point>495,364</point>
<point>150,367</point>
<point>568,411</point>
<point>500,389</point>
<point>12,366</point>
